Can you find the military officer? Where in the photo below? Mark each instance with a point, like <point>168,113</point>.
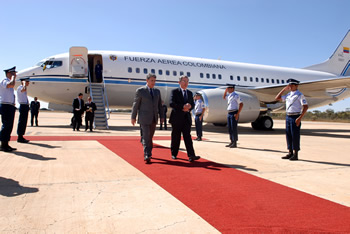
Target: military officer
<point>234,108</point>
<point>22,99</point>
<point>296,107</point>
<point>7,107</point>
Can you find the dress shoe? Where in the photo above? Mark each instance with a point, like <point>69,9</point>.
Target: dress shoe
<point>6,149</point>
<point>11,148</point>
<point>233,145</point>
<point>229,145</point>
<point>147,159</point>
<point>173,157</point>
<point>288,156</point>
<point>193,158</point>
<point>22,140</point>
<point>199,139</point>
<point>294,157</point>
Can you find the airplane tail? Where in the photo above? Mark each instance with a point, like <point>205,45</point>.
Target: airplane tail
<point>339,62</point>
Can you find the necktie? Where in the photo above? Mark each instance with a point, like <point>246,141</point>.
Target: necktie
<point>185,96</point>
<point>151,92</point>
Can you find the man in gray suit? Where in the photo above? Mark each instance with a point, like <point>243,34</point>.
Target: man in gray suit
<point>147,105</point>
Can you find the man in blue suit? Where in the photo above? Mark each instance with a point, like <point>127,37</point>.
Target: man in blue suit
<point>147,106</point>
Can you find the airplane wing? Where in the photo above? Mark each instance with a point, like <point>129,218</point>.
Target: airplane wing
<point>324,88</point>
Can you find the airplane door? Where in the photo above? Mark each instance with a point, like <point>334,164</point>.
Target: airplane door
<point>78,62</point>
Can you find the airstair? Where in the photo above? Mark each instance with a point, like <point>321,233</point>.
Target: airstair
<point>99,97</point>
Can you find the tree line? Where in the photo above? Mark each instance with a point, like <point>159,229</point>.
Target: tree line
<point>316,115</point>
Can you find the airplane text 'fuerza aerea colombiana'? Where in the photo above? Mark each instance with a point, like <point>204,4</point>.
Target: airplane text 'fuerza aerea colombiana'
<point>172,62</point>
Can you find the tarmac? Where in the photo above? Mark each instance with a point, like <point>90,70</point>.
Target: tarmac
<point>74,186</point>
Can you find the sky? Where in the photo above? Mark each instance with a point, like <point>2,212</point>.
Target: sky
<point>293,33</point>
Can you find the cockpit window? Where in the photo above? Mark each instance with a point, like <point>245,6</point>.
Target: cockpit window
<point>49,64</point>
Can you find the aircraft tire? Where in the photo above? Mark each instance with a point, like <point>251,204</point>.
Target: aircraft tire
<point>263,123</point>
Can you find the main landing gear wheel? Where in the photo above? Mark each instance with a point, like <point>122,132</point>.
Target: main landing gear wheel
<point>263,123</point>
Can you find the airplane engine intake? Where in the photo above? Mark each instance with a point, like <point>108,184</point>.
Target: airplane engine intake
<point>216,106</point>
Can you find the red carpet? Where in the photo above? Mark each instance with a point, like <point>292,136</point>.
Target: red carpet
<point>230,200</point>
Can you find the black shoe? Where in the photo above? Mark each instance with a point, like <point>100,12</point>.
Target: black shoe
<point>6,149</point>
<point>173,157</point>
<point>288,156</point>
<point>233,145</point>
<point>11,148</point>
<point>147,159</point>
<point>229,145</point>
<point>193,158</point>
<point>199,138</point>
<point>294,157</point>
<point>22,140</point>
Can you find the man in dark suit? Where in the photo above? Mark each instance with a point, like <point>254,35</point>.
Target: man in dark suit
<point>78,111</point>
<point>147,106</point>
<point>90,108</point>
<point>181,100</point>
<point>34,111</point>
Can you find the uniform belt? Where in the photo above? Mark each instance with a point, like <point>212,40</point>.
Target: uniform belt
<point>7,103</point>
<point>230,111</point>
<point>198,113</point>
<point>294,113</point>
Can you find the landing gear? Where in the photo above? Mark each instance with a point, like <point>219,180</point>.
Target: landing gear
<point>263,123</point>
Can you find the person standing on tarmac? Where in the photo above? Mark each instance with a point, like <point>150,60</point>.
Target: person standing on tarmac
<point>199,109</point>
<point>296,107</point>
<point>22,99</point>
<point>234,108</point>
<point>7,107</point>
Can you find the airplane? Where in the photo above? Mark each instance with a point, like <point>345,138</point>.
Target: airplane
<point>59,78</point>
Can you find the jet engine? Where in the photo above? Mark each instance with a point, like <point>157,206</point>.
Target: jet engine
<point>216,107</point>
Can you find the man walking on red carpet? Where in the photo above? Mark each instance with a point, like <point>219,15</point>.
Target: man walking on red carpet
<point>147,105</point>
<point>181,100</point>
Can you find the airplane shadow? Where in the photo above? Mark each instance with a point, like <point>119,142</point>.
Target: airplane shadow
<point>12,188</point>
<point>32,156</point>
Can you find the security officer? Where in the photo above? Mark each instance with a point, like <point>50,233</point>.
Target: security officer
<point>7,108</point>
<point>199,109</point>
<point>296,107</point>
<point>23,109</point>
<point>234,108</point>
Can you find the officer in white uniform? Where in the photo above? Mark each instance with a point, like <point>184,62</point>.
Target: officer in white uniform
<point>296,107</point>
<point>7,108</point>
<point>199,109</point>
<point>22,99</point>
<point>234,108</point>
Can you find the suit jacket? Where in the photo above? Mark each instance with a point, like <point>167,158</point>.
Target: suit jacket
<point>177,102</point>
<point>76,106</point>
<point>34,107</point>
<point>145,108</point>
<point>87,107</point>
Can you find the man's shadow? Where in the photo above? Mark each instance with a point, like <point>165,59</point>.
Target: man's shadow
<point>32,156</point>
<point>12,188</point>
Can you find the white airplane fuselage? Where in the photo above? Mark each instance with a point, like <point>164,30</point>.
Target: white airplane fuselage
<point>124,72</point>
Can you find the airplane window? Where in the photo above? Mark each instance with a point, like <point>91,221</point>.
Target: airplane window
<point>188,74</point>
<point>145,70</point>
<point>231,77</point>
<point>238,78</point>
<point>174,73</point>
<point>208,75</point>
<point>153,71</point>
<point>219,76</point>
<point>214,76</point>
<point>245,78</point>
<point>50,64</point>
<point>278,81</point>
<point>137,70</point>
<point>167,72</point>
<point>129,69</point>
<point>256,79</point>
<point>251,79</point>
<point>262,80</point>
<point>160,72</point>
<point>272,81</point>
<point>267,80</point>
<point>282,81</point>
<point>181,73</point>
<point>201,75</point>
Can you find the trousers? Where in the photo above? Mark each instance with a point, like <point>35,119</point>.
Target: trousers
<point>292,133</point>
